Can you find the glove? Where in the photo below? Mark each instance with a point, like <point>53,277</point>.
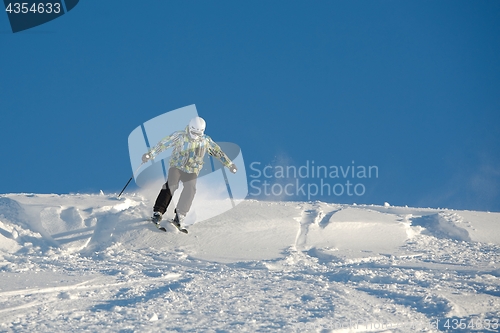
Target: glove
<point>233,168</point>
<point>146,157</point>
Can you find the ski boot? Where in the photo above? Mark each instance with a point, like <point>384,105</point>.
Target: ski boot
<point>177,220</point>
<point>157,216</point>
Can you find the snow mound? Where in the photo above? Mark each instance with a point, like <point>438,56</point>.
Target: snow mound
<point>443,225</point>
<point>255,231</point>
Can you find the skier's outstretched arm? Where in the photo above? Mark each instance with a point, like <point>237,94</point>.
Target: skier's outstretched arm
<point>164,144</point>
<point>215,150</point>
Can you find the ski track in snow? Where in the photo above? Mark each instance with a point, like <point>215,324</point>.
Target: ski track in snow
<point>92,263</point>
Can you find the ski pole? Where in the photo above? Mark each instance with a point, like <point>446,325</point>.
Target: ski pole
<point>130,179</point>
<point>126,185</point>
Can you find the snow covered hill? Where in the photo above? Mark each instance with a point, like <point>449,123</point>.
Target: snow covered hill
<point>92,263</point>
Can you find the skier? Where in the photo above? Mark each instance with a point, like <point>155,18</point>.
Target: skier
<point>189,148</point>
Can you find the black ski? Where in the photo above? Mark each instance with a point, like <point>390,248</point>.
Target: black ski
<point>178,226</point>
<point>157,224</point>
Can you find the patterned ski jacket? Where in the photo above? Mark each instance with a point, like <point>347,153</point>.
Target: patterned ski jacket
<point>188,154</point>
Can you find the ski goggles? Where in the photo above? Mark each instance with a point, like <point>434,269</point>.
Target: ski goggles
<point>195,134</point>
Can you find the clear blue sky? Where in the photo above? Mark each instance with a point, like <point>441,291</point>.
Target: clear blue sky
<point>411,87</point>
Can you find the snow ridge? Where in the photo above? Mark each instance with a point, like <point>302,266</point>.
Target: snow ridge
<point>443,225</point>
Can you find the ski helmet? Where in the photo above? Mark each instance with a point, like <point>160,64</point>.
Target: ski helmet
<point>196,127</point>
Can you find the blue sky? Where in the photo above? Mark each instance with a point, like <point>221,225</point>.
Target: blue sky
<point>409,87</point>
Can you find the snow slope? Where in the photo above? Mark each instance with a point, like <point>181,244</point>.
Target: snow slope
<point>92,263</point>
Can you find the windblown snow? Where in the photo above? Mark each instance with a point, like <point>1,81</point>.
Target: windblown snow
<point>93,263</point>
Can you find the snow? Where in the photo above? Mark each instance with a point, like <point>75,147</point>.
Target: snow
<point>92,263</point>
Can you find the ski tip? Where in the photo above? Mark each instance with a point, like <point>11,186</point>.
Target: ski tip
<point>157,225</point>
<point>178,227</point>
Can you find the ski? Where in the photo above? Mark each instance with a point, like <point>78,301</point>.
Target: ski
<point>157,224</point>
<point>178,226</point>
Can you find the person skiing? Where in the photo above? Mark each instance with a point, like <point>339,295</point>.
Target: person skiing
<point>189,148</point>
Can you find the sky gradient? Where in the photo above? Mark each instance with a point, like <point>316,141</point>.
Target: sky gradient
<point>410,87</point>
